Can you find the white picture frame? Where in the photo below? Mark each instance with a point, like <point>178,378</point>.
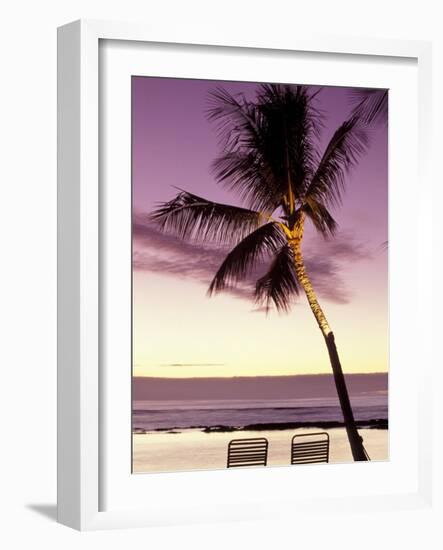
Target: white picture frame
<point>81,396</point>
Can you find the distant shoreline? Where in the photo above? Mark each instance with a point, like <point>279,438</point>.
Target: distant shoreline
<point>259,376</point>
<point>376,423</point>
<point>289,387</point>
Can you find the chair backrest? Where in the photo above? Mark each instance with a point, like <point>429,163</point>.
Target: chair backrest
<point>247,452</point>
<point>310,448</point>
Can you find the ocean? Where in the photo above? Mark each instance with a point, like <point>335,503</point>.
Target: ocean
<point>313,404</point>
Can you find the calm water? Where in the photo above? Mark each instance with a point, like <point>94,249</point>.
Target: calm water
<point>155,415</point>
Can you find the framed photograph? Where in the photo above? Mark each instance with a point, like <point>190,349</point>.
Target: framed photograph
<point>231,381</point>
<point>232,273</point>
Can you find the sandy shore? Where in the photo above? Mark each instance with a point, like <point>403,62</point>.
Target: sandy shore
<point>195,450</point>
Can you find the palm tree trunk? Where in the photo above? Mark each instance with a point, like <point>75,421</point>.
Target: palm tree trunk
<point>355,441</point>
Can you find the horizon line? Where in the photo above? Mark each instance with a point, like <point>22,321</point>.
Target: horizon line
<point>258,376</point>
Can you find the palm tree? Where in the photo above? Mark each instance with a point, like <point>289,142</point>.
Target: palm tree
<point>270,156</point>
<point>370,105</point>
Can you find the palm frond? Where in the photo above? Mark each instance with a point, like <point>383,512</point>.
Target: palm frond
<point>348,143</point>
<point>241,166</point>
<point>249,176</point>
<point>262,242</point>
<point>267,145</point>
<point>237,120</point>
<point>320,216</point>
<point>370,105</point>
<point>192,217</point>
<point>292,129</point>
<point>279,285</point>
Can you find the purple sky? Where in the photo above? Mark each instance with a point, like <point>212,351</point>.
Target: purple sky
<point>173,145</point>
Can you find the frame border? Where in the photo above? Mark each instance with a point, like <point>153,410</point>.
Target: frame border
<point>78,386</point>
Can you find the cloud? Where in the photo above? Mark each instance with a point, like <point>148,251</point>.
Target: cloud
<point>326,260</point>
<point>193,365</point>
<point>158,252</point>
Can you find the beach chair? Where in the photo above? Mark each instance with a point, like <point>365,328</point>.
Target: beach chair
<point>247,452</point>
<point>310,448</point>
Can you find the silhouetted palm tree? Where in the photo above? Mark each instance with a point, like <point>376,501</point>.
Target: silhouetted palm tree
<point>370,105</point>
<point>270,156</point>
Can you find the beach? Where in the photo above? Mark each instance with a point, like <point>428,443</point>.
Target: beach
<point>182,425</point>
<point>193,449</point>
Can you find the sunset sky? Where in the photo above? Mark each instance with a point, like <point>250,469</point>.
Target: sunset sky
<point>180,332</point>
